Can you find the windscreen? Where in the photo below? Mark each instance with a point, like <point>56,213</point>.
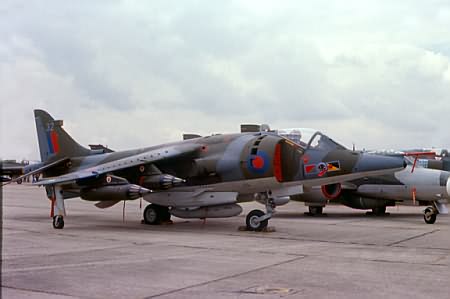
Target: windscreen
<point>309,138</point>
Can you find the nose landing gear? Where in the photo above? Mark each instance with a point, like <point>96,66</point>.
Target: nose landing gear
<point>257,220</point>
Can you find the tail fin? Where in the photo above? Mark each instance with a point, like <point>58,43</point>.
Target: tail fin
<point>54,142</point>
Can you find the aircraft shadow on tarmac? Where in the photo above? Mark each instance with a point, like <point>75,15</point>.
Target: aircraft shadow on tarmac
<point>81,222</point>
<point>355,215</point>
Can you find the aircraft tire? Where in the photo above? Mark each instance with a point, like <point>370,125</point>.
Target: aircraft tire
<point>429,216</point>
<point>153,214</point>
<point>315,210</point>
<point>58,222</point>
<point>19,181</point>
<point>251,222</point>
<point>379,211</point>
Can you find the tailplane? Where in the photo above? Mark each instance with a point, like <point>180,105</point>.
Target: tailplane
<point>54,141</point>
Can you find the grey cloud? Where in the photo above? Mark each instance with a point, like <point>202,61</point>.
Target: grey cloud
<point>215,63</point>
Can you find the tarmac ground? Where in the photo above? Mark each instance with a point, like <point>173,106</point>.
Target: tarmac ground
<point>344,254</point>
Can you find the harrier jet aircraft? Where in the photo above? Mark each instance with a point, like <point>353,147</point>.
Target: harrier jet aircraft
<point>203,177</point>
<point>410,186</point>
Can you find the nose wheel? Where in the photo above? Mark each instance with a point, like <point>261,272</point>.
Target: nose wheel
<point>254,222</point>
<point>257,220</point>
<point>429,215</point>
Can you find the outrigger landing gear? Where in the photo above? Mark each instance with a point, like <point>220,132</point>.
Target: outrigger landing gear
<point>256,220</point>
<point>430,214</point>
<point>58,211</point>
<point>156,214</point>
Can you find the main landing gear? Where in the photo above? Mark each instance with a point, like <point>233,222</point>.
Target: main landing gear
<point>156,214</point>
<point>379,211</point>
<point>257,220</point>
<point>315,211</point>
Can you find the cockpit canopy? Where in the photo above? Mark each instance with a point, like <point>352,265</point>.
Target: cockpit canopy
<point>309,138</point>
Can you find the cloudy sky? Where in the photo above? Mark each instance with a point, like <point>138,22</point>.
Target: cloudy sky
<point>136,73</point>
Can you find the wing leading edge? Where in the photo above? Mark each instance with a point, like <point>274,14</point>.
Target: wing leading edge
<point>151,156</point>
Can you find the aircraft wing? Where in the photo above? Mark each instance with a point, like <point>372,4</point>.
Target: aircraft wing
<point>151,156</point>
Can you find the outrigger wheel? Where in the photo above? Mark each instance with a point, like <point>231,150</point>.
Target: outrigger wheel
<point>155,214</point>
<point>58,222</point>
<point>253,222</point>
<point>429,215</point>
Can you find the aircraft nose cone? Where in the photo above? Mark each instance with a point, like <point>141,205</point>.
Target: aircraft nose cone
<point>369,162</point>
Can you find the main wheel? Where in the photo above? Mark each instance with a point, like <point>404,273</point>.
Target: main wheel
<point>429,216</point>
<point>58,222</point>
<point>19,181</point>
<point>252,221</point>
<point>315,210</point>
<point>379,211</point>
<point>154,214</point>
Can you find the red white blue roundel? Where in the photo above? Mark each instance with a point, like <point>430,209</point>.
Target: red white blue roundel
<point>258,163</point>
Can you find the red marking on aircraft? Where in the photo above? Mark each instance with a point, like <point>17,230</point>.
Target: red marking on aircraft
<point>55,142</point>
<point>420,154</point>
<point>323,168</point>
<point>258,162</point>
<point>277,163</point>
<point>310,168</point>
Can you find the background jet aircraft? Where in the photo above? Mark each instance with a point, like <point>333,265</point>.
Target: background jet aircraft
<point>196,178</point>
<point>422,186</point>
<point>11,169</point>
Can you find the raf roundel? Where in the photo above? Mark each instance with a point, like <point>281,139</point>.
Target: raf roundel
<point>258,163</point>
